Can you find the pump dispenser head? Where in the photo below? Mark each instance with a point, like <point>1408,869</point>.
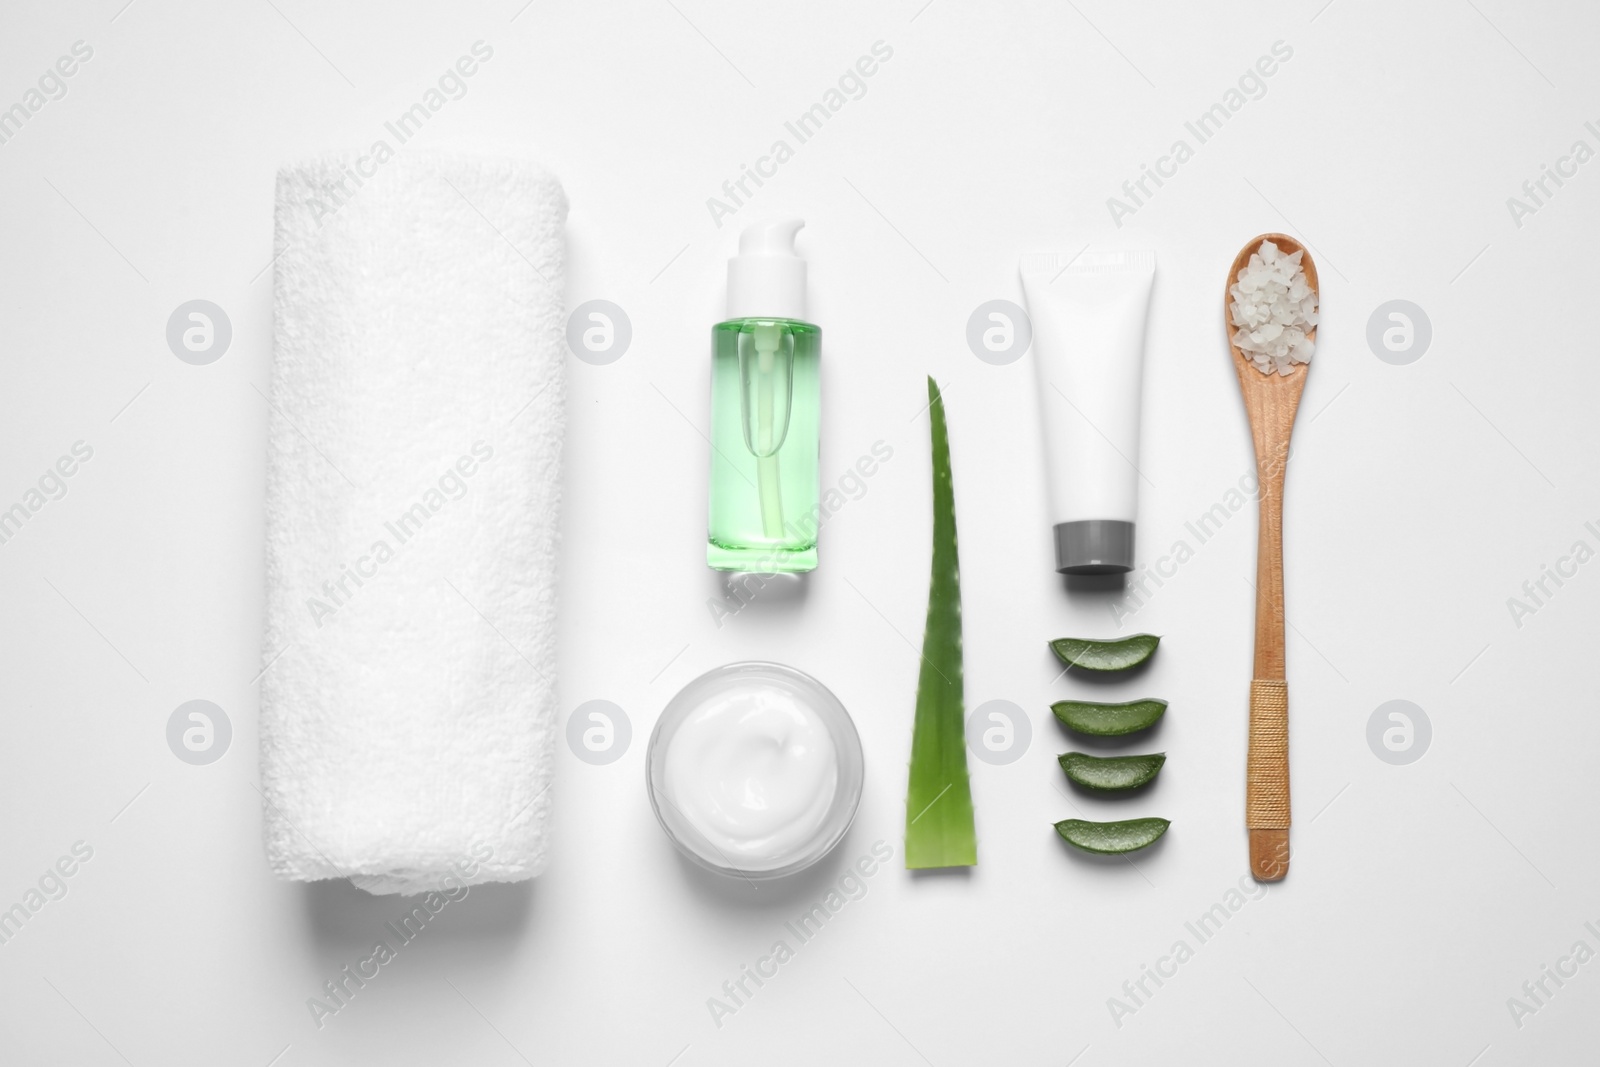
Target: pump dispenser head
<point>767,279</point>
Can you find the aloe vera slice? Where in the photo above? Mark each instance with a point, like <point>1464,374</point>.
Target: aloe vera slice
<point>1112,838</point>
<point>1109,720</point>
<point>1112,774</point>
<point>939,829</point>
<point>1087,654</point>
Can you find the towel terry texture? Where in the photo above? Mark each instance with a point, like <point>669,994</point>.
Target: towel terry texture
<point>408,704</point>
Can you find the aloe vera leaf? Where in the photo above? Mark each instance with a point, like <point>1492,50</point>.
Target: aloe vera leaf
<point>1112,838</point>
<point>1087,654</point>
<point>939,829</point>
<point>1109,720</point>
<point>1111,774</point>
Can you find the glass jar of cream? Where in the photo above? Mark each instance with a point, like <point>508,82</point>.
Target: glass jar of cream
<point>755,770</point>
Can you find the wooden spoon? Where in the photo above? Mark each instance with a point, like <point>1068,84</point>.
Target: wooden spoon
<point>1271,401</point>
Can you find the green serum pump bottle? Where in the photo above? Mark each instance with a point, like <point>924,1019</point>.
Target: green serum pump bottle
<point>766,397</point>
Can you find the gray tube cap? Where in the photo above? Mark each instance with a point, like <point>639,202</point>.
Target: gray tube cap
<point>1094,546</point>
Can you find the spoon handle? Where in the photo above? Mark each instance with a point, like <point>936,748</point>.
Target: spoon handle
<point>1267,774</point>
<point>1271,401</point>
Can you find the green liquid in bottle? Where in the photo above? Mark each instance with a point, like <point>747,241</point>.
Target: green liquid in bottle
<point>766,396</point>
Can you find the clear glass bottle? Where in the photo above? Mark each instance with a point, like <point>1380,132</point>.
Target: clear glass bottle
<point>766,403</point>
<point>765,412</point>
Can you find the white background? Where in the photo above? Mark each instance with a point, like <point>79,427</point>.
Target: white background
<point>1420,498</point>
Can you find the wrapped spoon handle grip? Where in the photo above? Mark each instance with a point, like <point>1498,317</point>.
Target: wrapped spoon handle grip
<point>1267,780</point>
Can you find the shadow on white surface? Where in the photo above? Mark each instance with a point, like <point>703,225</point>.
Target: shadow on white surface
<point>339,912</point>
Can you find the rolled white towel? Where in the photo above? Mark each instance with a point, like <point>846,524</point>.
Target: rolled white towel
<point>408,704</point>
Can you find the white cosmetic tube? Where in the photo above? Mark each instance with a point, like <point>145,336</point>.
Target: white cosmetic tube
<point>1088,315</point>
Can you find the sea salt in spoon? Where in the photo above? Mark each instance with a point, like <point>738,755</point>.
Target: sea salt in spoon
<point>1271,399</point>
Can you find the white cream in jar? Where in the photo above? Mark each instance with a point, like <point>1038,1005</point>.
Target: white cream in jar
<point>755,768</point>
